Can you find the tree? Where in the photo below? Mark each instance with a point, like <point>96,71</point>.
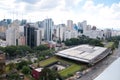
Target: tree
<point>24,50</point>
<point>41,47</point>
<point>13,76</point>
<point>83,40</point>
<point>47,74</point>
<point>22,64</point>
<point>11,50</point>
<point>11,66</point>
<point>26,70</point>
<point>2,48</point>
<point>95,42</point>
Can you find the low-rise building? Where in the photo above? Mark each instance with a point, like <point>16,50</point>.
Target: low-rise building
<point>85,53</point>
<point>36,73</point>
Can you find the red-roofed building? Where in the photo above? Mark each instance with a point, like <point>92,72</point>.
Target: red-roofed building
<point>36,73</point>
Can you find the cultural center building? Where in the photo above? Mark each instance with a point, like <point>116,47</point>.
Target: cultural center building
<point>85,53</point>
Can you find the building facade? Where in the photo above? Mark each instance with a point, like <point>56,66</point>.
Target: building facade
<point>69,24</point>
<point>32,35</point>
<point>48,25</point>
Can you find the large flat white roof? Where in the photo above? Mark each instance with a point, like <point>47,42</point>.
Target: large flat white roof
<point>84,53</point>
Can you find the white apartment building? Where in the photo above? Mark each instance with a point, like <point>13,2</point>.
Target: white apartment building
<point>38,37</point>
<point>70,34</point>
<point>69,24</point>
<point>48,25</point>
<point>11,36</point>
<point>60,29</point>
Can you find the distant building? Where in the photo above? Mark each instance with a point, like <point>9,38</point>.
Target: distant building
<point>21,40</point>
<point>33,36</point>
<point>60,29</point>
<point>69,24</point>
<point>84,26</point>
<point>108,33</point>
<point>40,24</point>
<point>12,33</point>
<point>94,28</point>
<point>95,34</point>
<point>23,22</point>
<point>38,37</point>
<point>80,26</point>
<point>3,28</point>
<point>11,36</point>
<point>70,34</point>
<point>48,24</point>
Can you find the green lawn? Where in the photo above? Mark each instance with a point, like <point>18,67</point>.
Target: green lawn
<point>109,45</point>
<point>70,70</point>
<point>48,61</point>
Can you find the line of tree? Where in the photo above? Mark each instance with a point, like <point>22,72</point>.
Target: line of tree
<point>14,51</point>
<point>19,51</point>
<point>83,40</point>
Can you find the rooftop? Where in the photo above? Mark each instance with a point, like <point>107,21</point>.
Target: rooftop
<point>84,53</point>
<point>39,69</point>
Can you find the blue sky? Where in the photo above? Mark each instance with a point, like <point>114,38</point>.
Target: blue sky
<point>106,2</point>
<point>101,13</point>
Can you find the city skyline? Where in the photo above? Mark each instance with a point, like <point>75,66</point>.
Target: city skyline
<point>103,14</point>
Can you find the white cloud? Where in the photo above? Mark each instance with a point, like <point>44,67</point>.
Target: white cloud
<point>102,15</point>
<point>62,10</point>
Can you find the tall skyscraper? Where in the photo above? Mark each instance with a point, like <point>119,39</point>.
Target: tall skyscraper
<point>70,24</point>
<point>32,35</point>
<point>84,26</point>
<point>23,22</point>
<point>48,25</point>
<point>60,29</point>
<point>11,36</point>
<point>108,33</point>
<point>38,37</point>
<point>29,35</point>
<point>12,33</point>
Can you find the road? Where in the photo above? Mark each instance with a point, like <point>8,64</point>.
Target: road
<point>101,66</point>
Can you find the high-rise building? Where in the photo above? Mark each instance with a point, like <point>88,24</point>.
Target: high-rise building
<point>40,24</point>
<point>80,26</point>
<point>84,26</point>
<point>38,37</point>
<point>48,25</point>
<point>11,36</point>
<point>23,22</point>
<point>32,35</point>
<point>108,33</point>
<point>60,29</point>
<point>29,35</point>
<point>12,33</point>
<point>70,24</point>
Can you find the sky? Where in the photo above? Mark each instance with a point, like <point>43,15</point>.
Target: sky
<point>100,13</point>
